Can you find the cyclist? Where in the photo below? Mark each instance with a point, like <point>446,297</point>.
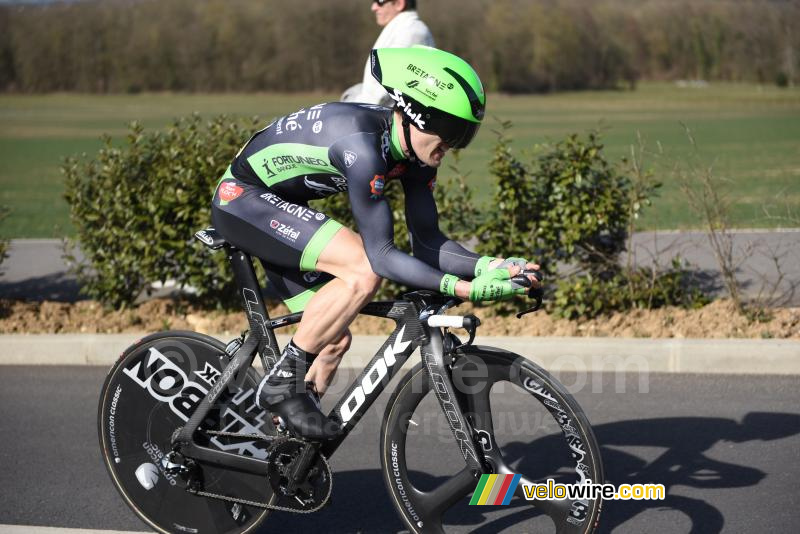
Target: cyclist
<point>327,270</point>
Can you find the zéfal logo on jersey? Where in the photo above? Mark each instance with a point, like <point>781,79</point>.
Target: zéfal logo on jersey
<point>376,186</point>
<point>229,191</point>
<point>284,230</point>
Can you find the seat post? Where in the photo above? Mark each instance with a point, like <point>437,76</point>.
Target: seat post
<point>254,307</point>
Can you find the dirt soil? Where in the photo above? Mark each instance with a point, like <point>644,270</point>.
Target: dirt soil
<point>717,320</point>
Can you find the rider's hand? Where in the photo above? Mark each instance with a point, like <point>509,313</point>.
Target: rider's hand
<point>494,285</point>
<point>515,265</point>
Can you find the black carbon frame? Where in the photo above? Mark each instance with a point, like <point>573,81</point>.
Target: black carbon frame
<point>410,332</point>
<point>261,339</point>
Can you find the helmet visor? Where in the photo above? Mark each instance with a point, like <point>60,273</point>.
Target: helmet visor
<point>454,131</point>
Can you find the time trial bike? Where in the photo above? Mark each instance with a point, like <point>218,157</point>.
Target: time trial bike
<point>189,449</point>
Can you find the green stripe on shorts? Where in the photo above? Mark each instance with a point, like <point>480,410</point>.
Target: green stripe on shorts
<point>317,243</point>
<point>299,302</point>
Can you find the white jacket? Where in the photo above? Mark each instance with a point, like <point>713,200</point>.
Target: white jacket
<point>405,29</point>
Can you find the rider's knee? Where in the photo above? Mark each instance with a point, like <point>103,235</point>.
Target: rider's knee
<point>363,283</point>
<point>372,282</point>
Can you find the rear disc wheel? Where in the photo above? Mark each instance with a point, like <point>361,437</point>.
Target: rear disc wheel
<point>150,392</point>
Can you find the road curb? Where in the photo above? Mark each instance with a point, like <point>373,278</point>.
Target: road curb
<point>712,356</point>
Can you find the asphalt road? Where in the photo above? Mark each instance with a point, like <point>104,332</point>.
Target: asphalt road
<point>768,264</point>
<point>726,448</point>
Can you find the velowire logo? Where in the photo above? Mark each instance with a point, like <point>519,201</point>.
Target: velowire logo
<point>495,489</point>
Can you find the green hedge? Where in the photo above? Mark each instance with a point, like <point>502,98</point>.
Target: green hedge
<point>571,211</point>
<point>587,295</point>
<point>137,206</point>
<point>567,205</point>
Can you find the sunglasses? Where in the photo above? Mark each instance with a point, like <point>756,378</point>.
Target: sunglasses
<point>382,2</point>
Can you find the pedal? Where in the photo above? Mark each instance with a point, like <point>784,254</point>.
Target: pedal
<point>279,424</point>
<point>174,463</point>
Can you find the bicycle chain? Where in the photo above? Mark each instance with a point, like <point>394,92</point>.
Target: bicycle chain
<point>262,437</point>
<point>275,440</point>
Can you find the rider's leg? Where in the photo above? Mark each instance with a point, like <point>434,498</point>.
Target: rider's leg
<point>331,310</point>
<point>325,365</point>
<point>325,319</point>
<point>255,220</point>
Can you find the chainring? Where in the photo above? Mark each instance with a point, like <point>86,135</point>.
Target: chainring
<point>310,494</point>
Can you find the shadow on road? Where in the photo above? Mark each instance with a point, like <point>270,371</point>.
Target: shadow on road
<point>360,502</point>
<point>61,287</point>
<point>683,463</point>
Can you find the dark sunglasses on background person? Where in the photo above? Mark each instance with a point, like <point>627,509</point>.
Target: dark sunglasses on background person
<point>381,2</point>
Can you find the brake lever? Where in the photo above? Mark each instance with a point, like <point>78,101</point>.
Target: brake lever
<point>471,324</point>
<point>535,293</point>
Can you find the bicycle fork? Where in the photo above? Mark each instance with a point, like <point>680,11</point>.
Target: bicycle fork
<point>434,362</point>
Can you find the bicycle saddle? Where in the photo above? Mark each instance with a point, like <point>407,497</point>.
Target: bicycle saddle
<point>210,238</point>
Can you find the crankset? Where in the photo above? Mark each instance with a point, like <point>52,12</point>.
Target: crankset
<point>299,475</point>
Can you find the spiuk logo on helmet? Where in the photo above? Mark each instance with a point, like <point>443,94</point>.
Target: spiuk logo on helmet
<point>406,107</point>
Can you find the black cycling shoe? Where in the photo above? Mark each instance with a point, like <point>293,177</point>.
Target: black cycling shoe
<point>284,393</point>
<point>302,416</point>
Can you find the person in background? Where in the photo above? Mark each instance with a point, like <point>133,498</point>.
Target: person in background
<point>402,28</point>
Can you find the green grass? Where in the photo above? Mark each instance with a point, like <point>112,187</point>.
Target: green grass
<point>750,134</point>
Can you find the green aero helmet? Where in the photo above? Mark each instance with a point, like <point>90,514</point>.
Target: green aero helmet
<point>436,90</point>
